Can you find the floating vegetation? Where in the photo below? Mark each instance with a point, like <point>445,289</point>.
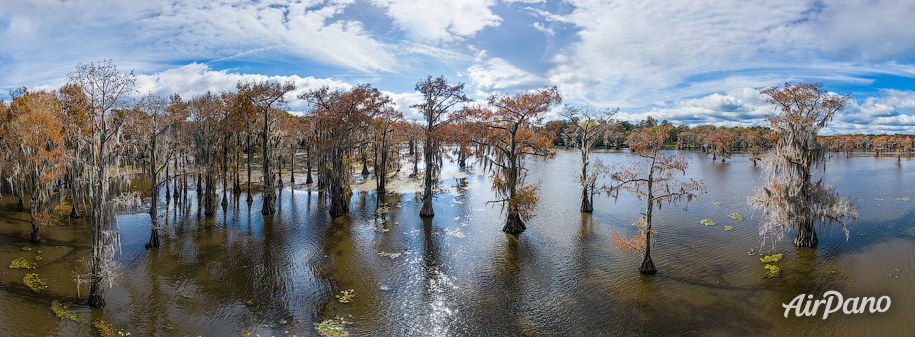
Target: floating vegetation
<point>903,199</point>
<point>185,295</point>
<point>736,216</point>
<point>62,312</point>
<point>752,252</point>
<point>35,283</point>
<point>717,203</point>
<point>455,232</point>
<point>771,258</point>
<point>27,248</point>
<point>860,233</point>
<point>707,222</point>
<point>21,263</point>
<point>335,327</point>
<point>389,255</point>
<point>772,271</point>
<point>384,287</point>
<point>346,296</point>
<point>728,228</point>
<point>106,329</point>
<point>38,258</point>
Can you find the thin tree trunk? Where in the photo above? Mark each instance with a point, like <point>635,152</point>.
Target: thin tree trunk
<point>427,211</point>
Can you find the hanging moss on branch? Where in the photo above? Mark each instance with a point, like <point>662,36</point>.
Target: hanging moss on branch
<point>792,198</point>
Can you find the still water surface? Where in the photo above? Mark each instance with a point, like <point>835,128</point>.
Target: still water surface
<point>459,275</point>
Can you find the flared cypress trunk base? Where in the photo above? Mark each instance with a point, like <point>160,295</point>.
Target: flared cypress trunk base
<point>586,205</point>
<point>268,209</point>
<point>20,206</point>
<point>154,241</point>
<point>96,299</point>
<point>74,211</point>
<point>514,225</point>
<point>806,236</point>
<point>427,211</point>
<point>647,266</point>
<point>34,237</point>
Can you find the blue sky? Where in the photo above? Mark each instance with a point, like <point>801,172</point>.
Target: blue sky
<point>685,61</point>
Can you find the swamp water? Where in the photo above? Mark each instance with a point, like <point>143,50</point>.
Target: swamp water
<point>459,275</point>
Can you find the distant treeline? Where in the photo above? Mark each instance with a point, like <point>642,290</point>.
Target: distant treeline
<point>721,141</point>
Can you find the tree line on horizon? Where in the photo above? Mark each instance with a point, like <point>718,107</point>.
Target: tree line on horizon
<point>83,144</point>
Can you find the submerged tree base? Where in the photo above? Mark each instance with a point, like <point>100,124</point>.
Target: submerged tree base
<point>806,237</point>
<point>647,267</point>
<point>514,225</point>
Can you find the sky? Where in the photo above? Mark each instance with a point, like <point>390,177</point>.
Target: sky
<point>689,62</point>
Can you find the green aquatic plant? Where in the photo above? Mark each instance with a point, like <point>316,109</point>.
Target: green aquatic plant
<point>389,255</point>
<point>455,232</point>
<point>35,283</point>
<point>27,248</point>
<point>771,258</point>
<point>346,296</point>
<point>736,216</point>
<point>21,263</point>
<point>106,329</point>
<point>62,312</point>
<point>772,271</point>
<point>903,199</point>
<point>728,228</point>
<point>335,327</point>
<point>707,222</point>
<point>185,295</point>
<point>717,203</point>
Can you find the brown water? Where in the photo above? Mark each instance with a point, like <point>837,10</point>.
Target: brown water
<point>238,273</point>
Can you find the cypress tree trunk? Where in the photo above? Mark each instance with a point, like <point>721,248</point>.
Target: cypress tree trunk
<point>806,234</point>
<point>514,225</point>
<point>427,211</point>
<point>36,227</point>
<point>308,178</point>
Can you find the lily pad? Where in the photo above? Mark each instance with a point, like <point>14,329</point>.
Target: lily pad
<point>736,216</point>
<point>346,296</point>
<point>772,271</point>
<point>35,283</point>
<point>707,222</point>
<point>62,312</point>
<point>455,232</point>
<point>728,228</point>
<point>21,263</point>
<point>335,327</point>
<point>771,258</point>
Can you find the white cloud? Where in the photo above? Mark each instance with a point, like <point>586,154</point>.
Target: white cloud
<point>45,39</point>
<point>497,74</point>
<point>196,79</point>
<point>632,52</point>
<point>440,21</point>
